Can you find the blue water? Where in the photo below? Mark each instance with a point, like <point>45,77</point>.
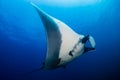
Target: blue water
<point>23,40</point>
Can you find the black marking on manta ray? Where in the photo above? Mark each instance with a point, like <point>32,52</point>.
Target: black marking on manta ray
<point>70,53</point>
<point>58,62</point>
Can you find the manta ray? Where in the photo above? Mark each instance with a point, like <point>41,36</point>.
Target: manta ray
<point>63,44</point>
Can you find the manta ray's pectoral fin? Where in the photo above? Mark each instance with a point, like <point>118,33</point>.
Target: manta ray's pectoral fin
<point>85,39</point>
<point>88,49</point>
<point>70,53</point>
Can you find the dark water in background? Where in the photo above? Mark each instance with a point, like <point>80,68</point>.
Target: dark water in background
<point>23,41</point>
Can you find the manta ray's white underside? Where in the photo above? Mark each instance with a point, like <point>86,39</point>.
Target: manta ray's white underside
<point>61,39</point>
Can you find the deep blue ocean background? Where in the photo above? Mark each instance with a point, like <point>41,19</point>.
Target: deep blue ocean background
<point>23,40</point>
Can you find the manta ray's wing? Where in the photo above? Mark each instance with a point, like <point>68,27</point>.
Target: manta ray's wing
<point>60,38</point>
